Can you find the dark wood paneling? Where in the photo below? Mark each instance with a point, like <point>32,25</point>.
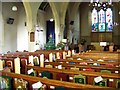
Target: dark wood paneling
<point>101,37</point>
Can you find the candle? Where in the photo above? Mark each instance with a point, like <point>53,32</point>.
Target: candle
<point>42,60</point>
<point>64,55</point>
<point>50,57</point>
<point>17,65</point>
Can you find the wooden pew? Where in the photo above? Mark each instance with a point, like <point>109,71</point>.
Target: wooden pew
<point>55,83</point>
<point>46,52</point>
<point>101,55</point>
<point>113,69</point>
<point>90,62</point>
<point>21,55</point>
<point>89,75</point>
<point>68,66</point>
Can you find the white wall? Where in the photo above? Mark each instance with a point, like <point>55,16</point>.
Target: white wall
<point>22,33</point>
<point>76,28</point>
<point>42,26</point>
<point>42,17</point>
<point>49,14</point>
<point>10,30</point>
<point>1,31</point>
<point>15,35</point>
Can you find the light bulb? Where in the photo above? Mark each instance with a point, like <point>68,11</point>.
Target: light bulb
<point>14,8</point>
<point>51,19</point>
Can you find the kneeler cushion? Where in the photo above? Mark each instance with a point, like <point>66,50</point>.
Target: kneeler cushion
<point>89,69</point>
<point>62,77</point>
<point>5,83</point>
<point>105,71</point>
<point>46,74</point>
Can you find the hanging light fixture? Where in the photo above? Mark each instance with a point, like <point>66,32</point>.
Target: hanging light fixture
<point>14,8</point>
<point>51,19</point>
<point>101,4</point>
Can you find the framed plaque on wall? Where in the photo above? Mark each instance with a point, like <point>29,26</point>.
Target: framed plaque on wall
<point>32,36</point>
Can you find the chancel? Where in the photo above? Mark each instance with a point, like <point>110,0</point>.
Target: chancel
<point>60,45</point>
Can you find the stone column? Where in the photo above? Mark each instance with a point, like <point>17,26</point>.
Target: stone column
<point>31,9</point>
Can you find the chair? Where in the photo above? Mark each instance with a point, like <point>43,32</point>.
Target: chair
<point>60,88</point>
<point>80,79</point>
<point>101,83</point>
<point>46,74</point>
<point>105,71</point>
<point>62,77</point>
<point>118,84</point>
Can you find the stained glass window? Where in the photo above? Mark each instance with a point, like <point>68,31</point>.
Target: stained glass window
<point>102,20</point>
<point>109,24</point>
<point>94,20</point>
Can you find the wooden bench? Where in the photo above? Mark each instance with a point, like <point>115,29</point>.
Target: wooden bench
<point>90,61</point>
<point>89,75</point>
<point>98,55</point>
<point>55,83</point>
<point>68,66</point>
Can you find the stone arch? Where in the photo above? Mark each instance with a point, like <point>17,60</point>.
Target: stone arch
<point>31,12</point>
<point>71,13</point>
<point>59,12</point>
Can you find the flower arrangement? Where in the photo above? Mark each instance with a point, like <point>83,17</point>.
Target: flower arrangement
<point>60,45</point>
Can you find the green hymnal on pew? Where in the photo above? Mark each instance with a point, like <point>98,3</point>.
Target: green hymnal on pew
<point>80,79</point>
<point>5,83</point>
<point>101,83</point>
<point>118,84</point>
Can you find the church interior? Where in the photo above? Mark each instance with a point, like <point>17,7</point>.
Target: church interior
<point>59,45</point>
